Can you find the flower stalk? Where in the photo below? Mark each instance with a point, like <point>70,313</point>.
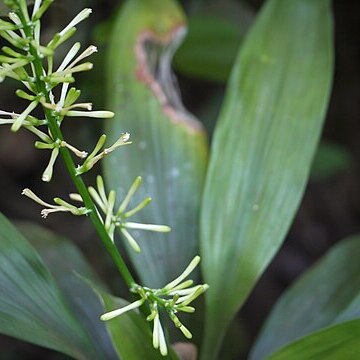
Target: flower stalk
<point>32,64</point>
<point>41,86</point>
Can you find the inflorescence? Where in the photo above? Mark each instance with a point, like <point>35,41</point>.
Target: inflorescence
<point>32,64</point>
<point>173,298</point>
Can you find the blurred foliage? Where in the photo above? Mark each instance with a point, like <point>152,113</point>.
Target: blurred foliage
<point>330,160</point>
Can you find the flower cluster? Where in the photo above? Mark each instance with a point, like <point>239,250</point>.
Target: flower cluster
<point>20,61</point>
<point>60,205</point>
<point>173,298</point>
<point>32,63</point>
<point>119,219</point>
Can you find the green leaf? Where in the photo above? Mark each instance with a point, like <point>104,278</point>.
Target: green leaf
<point>262,151</point>
<point>330,159</point>
<point>129,335</point>
<point>210,49</point>
<point>132,328</point>
<point>328,293</point>
<point>335,343</point>
<point>65,261</point>
<point>169,147</point>
<point>31,306</point>
<point>216,31</point>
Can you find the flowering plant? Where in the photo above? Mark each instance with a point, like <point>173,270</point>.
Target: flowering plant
<point>232,203</point>
<point>33,65</point>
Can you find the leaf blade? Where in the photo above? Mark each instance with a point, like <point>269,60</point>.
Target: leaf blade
<point>337,342</point>
<point>169,147</point>
<point>275,104</point>
<point>326,294</point>
<point>66,262</point>
<point>31,306</point>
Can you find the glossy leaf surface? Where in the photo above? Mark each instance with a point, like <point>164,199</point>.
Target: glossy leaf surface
<point>335,343</point>
<point>326,294</point>
<point>32,308</point>
<point>262,151</point>
<point>66,262</point>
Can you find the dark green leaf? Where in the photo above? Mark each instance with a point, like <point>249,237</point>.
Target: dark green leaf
<point>335,343</point>
<point>31,305</point>
<point>130,335</point>
<point>326,294</point>
<point>262,151</point>
<point>210,48</point>
<point>65,261</point>
<point>169,147</point>
<point>330,160</point>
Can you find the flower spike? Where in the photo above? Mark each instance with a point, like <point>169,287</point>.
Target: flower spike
<point>170,300</point>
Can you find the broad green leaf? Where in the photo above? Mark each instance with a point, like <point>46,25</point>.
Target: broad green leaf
<point>127,337</point>
<point>262,151</point>
<point>131,327</point>
<point>326,294</point>
<point>335,343</point>
<point>32,307</point>
<point>169,147</point>
<point>210,48</point>
<point>65,261</point>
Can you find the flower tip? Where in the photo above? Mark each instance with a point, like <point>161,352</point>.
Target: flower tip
<point>125,136</point>
<point>26,192</point>
<point>164,228</point>
<point>105,317</point>
<point>186,332</point>
<point>195,261</point>
<point>44,213</point>
<point>93,49</point>
<point>15,127</point>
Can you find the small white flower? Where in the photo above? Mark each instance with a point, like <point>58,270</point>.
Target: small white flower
<point>92,114</point>
<point>77,19</point>
<point>115,313</point>
<point>78,153</point>
<point>20,120</point>
<point>96,155</point>
<point>47,174</point>
<point>60,205</point>
<point>193,264</point>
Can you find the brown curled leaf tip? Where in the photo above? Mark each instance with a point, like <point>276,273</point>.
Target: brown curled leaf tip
<point>153,55</point>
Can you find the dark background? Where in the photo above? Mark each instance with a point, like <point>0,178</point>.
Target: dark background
<point>329,211</point>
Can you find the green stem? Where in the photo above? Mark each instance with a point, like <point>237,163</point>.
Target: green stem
<point>69,163</point>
